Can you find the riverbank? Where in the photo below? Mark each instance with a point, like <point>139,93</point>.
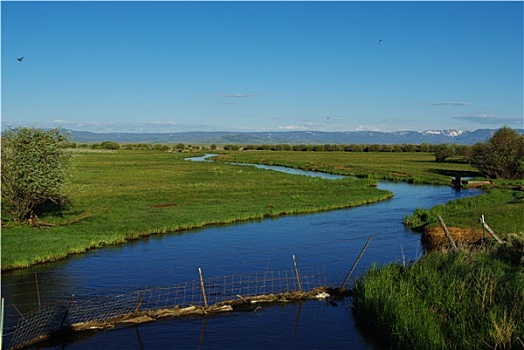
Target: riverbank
<point>465,300</point>
<point>118,196</point>
<point>410,167</point>
<point>469,300</point>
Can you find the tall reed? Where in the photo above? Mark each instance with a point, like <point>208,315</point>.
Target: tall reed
<point>445,301</point>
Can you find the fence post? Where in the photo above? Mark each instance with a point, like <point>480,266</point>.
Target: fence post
<point>490,230</point>
<point>37,289</point>
<point>355,264</point>
<point>483,228</point>
<point>138,303</point>
<point>2,324</point>
<point>202,286</point>
<point>66,312</point>
<point>298,274</point>
<point>448,235</point>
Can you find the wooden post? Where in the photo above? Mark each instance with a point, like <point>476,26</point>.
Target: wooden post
<point>202,286</point>
<point>138,303</point>
<point>2,324</point>
<point>448,235</point>
<point>298,274</point>
<point>483,228</point>
<point>490,230</point>
<point>343,286</point>
<point>66,311</point>
<point>37,289</point>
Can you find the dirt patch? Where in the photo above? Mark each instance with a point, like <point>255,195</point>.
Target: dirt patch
<point>434,238</point>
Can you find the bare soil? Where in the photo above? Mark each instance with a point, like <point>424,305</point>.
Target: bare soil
<point>434,238</point>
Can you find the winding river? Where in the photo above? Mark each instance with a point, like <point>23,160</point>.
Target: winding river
<point>331,240</point>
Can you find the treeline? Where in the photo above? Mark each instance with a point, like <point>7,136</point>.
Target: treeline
<point>424,147</point>
<point>180,147</point>
<point>110,145</point>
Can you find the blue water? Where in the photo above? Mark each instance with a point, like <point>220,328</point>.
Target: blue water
<point>331,239</point>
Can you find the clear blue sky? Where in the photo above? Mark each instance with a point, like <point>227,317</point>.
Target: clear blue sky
<point>262,66</point>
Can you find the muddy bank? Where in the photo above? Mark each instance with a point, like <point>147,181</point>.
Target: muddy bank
<point>434,238</point>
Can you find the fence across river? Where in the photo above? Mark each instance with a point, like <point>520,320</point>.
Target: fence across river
<point>205,295</point>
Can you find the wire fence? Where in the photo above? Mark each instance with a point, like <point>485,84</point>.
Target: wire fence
<point>46,320</point>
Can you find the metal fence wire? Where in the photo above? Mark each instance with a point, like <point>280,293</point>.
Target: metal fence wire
<point>47,319</point>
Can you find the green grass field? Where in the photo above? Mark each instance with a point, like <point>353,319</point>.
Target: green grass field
<point>410,167</point>
<point>124,195</point>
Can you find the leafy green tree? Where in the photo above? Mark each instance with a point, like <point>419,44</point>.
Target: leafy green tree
<point>109,145</point>
<point>501,157</point>
<point>444,151</point>
<point>35,167</point>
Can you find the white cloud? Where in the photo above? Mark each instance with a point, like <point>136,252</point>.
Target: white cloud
<point>380,127</point>
<point>451,104</point>
<point>482,118</point>
<point>243,95</point>
<point>292,127</point>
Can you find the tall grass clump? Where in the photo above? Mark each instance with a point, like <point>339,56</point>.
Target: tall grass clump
<point>446,301</point>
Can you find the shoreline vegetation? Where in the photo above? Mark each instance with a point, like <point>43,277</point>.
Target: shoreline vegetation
<point>470,299</point>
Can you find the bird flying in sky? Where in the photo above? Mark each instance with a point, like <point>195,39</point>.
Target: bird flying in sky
<point>20,59</point>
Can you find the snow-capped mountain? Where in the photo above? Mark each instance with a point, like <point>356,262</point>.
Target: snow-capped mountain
<point>447,132</point>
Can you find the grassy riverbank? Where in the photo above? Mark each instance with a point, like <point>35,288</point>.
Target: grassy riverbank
<point>467,300</point>
<point>446,301</point>
<point>123,195</point>
<point>414,167</point>
<point>503,210</point>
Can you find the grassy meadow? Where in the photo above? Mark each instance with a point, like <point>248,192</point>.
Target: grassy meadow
<point>412,167</point>
<point>117,196</point>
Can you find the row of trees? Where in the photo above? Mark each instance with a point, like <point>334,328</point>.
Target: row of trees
<point>35,163</point>
<point>424,147</point>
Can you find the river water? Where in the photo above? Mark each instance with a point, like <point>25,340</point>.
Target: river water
<point>331,240</point>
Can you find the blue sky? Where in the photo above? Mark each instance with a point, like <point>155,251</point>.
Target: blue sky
<point>262,66</point>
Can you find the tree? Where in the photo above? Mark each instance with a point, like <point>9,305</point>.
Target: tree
<point>501,157</point>
<point>35,167</point>
<point>444,151</point>
<point>109,145</point>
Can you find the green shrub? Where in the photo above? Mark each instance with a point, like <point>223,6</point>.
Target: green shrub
<point>35,167</point>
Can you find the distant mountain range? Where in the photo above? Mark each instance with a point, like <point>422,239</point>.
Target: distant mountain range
<point>292,137</point>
